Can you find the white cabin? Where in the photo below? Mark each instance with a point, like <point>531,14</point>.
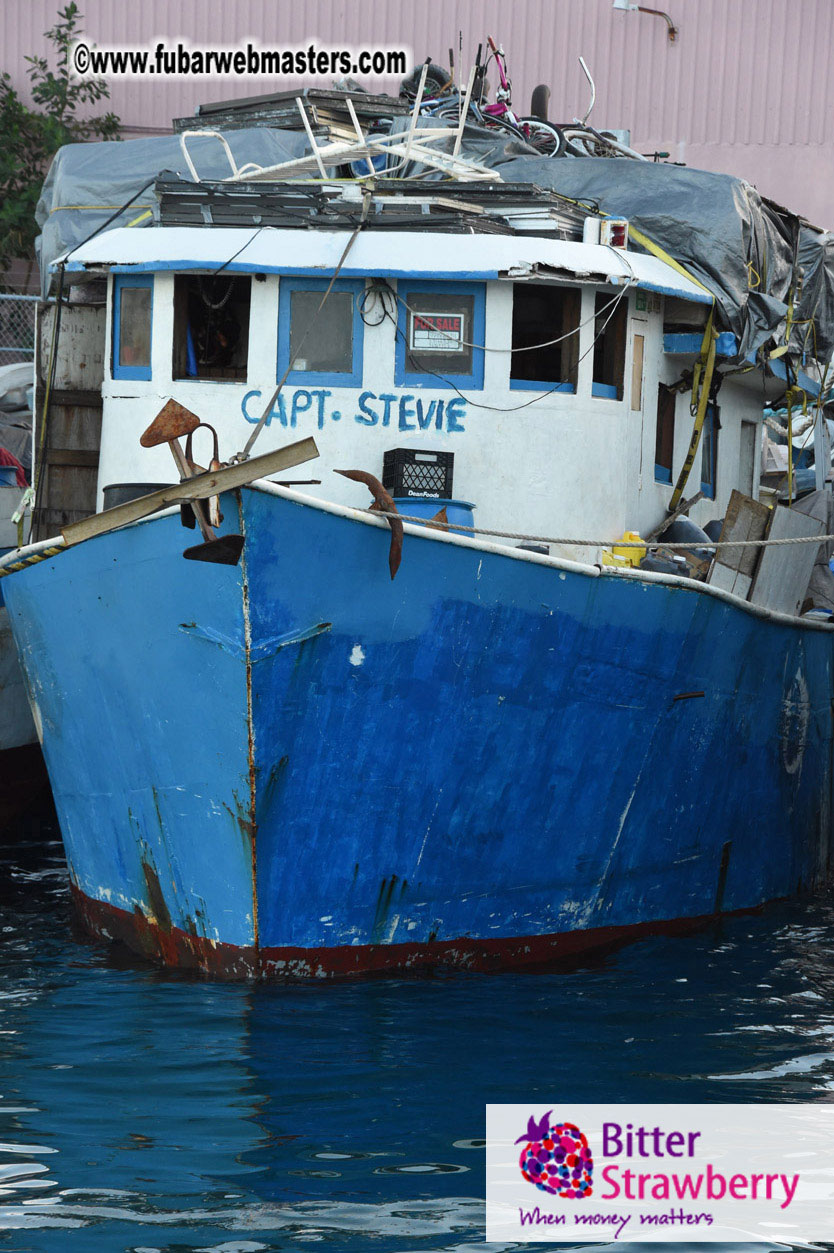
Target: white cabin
<point>424,343</point>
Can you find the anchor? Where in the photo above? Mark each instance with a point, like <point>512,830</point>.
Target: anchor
<point>172,423</point>
<point>384,503</point>
<point>215,517</point>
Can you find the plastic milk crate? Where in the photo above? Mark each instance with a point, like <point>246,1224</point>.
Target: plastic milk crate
<point>418,472</point>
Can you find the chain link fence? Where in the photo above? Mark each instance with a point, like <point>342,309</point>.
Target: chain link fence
<point>17,328</point>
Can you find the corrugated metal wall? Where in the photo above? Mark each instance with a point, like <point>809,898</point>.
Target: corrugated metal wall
<point>745,88</point>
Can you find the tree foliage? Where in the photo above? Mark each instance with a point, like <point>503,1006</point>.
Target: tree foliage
<point>32,136</point>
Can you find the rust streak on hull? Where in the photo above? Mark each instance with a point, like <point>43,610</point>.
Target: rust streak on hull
<point>250,726</point>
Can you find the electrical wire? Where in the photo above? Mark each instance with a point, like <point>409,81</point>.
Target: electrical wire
<point>504,408</point>
<point>235,255</point>
<point>378,284</point>
<point>112,218</point>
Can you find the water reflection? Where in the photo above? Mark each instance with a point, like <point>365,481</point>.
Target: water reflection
<point>145,1111</point>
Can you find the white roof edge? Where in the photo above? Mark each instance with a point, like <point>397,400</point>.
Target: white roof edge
<point>399,254</point>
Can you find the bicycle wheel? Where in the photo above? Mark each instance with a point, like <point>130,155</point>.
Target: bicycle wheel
<point>501,124</point>
<point>546,138</point>
<point>438,81</point>
<point>579,142</point>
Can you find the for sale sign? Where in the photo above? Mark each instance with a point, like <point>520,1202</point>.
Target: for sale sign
<point>437,332</point>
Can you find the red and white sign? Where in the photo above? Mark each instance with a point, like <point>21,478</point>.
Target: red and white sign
<point>437,332</point>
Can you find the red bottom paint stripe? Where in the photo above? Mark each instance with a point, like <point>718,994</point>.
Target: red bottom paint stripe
<point>179,949</point>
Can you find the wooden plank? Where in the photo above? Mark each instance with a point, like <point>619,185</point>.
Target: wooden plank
<point>76,396</point>
<point>52,521</point>
<point>75,426</point>
<point>733,568</point>
<point>72,457</point>
<point>80,354</point>
<point>71,487</point>
<point>782,576</point>
<point>67,484</point>
<point>683,507</point>
<point>201,487</point>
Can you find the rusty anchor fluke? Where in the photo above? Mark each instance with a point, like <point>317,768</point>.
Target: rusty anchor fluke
<point>169,426</point>
<point>384,501</point>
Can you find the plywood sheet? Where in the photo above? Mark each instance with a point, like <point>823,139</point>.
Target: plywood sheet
<point>783,573</point>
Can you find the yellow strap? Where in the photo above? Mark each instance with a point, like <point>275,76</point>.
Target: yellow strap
<point>790,396</point>
<point>662,255</point>
<point>701,383</point>
<point>644,240</point>
<point>141,218</point>
<point>62,208</point>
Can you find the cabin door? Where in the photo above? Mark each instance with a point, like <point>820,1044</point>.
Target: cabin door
<point>748,480</point>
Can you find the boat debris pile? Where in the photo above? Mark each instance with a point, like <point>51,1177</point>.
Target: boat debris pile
<point>771,274</point>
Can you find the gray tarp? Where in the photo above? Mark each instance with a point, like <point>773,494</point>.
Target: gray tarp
<point>87,182</point>
<point>739,245</point>
<point>815,256</point>
<point>750,253</point>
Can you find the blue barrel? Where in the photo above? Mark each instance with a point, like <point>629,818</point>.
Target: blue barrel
<point>458,512</point>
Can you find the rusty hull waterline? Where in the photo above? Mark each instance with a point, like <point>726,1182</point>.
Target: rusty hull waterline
<point>196,954</point>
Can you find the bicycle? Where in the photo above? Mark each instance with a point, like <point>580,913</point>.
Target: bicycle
<point>541,135</point>
<point>445,102</point>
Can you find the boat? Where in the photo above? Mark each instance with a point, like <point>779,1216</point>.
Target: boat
<point>497,717</point>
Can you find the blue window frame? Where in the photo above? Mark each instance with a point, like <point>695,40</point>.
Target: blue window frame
<point>337,337</point>
<point>709,452</point>
<point>457,363</point>
<point>132,325</point>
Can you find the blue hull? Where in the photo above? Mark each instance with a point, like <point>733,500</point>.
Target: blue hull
<point>297,766</point>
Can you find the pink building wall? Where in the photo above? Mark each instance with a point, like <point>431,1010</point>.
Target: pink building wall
<point>746,87</point>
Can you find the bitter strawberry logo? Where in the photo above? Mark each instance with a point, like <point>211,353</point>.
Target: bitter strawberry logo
<point>556,1158</point>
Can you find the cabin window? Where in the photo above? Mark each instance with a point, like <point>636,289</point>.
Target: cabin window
<point>664,440</point>
<point>440,334</point>
<point>709,452</point>
<point>541,314</point>
<point>132,323</point>
<point>211,327</point>
<point>322,343</point>
<point>610,323</point>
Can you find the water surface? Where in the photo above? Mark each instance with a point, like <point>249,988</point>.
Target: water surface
<point>147,1111</point>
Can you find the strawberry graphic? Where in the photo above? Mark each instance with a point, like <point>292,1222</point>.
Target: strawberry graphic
<point>556,1157</point>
